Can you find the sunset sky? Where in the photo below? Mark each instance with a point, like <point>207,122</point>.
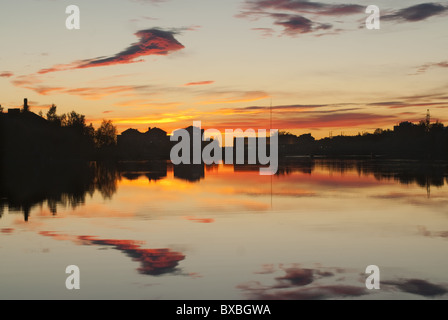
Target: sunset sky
<point>167,63</point>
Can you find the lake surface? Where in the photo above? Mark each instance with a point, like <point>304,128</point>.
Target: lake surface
<point>152,231</point>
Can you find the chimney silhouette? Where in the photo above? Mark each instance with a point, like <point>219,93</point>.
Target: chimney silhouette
<point>25,105</point>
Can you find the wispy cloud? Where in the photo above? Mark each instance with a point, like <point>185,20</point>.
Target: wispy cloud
<point>337,120</point>
<point>151,42</point>
<point>223,97</point>
<point>199,83</point>
<point>292,24</point>
<point>6,74</point>
<point>417,12</point>
<point>291,14</point>
<point>150,1</point>
<point>143,18</point>
<point>265,32</point>
<point>295,24</point>
<point>301,16</point>
<point>200,220</point>
<point>423,68</point>
<point>417,286</point>
<point>139,104</point>
<point>299,283</point>
<point>312,117</point>
<point>89,93</point>
<point>7,230</point>
<point>425,232</point>
<point>403,104</point>
<point>305,6</point>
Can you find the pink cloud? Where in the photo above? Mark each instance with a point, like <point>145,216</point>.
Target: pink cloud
<point>151,42</point>
<point>6,74</point>
<point>200,220</point>
<point>199,83</point>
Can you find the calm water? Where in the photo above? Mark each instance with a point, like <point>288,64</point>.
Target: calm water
<point>151,231</point>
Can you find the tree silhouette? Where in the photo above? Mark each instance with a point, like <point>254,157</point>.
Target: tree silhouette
<point>89,132</point>
<point>54,118</point>
<point>106,135</point>
<point>76,121</point>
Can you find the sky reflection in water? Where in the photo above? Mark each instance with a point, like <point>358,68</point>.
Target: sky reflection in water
<point>151,231</point>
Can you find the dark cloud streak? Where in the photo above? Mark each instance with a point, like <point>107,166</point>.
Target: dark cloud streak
<point>292,14</point>
<point>418,286</point>
<point>300,284</point>
<point>416,13</point>
<point>305,6</point>
<point>295,24</point>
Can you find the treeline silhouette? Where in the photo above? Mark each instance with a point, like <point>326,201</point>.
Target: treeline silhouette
<point>407,140</point>
<point>26,136</point>
<point>421,173</point>
<point>24,187</point>
<point>69,184</point>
